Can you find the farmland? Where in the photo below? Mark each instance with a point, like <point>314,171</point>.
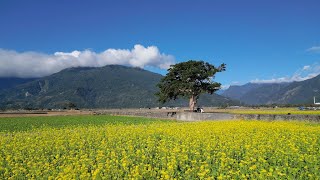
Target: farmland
<point>15,124</point>
<point>114,147</point>
<point>278,111</point>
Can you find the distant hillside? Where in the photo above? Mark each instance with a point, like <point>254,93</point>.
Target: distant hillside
<point>276,93</point>
<point>237,91</point>
<point>262,93</point>
<point>111,86</point>
<point>10,82</point>
<point>298,92</point>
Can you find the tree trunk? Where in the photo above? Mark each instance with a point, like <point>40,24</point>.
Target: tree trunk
<point>192,102</point>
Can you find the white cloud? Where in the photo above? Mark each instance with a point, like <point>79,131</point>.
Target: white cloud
<point>307,72</point>
<point>35,64</point>
<point>306,67</point>
<point>235,83</point>
<point>315,49</point>
<point>224,87</point>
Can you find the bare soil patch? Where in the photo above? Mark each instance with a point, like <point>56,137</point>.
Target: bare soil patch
<point>44,113</point>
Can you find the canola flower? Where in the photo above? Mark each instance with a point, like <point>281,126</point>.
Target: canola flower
<point>201,150</point>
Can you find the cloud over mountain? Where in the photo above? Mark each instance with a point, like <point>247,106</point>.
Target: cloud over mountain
<point>36,64</point>
<point>304,73</point>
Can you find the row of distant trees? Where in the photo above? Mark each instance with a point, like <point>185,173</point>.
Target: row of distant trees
<point>64,105</point>
<point>73,106</point>
<point>284,105</point>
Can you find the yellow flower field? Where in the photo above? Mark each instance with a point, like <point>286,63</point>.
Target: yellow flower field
<point>202,150</point>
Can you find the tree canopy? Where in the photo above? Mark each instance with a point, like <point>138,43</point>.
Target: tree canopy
<point>189,79</point>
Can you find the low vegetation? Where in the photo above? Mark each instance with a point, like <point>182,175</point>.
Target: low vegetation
<point>30,123</point>
<point>139,148</point>
<point>281,111</point>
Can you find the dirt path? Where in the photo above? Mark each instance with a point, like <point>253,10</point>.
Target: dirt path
<point>43,113</point>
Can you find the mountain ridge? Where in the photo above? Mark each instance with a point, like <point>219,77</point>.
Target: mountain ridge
<point>112,86</point>
<point>10,82</point>
<point>297,92</point>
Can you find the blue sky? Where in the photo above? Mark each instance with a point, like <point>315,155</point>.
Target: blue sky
<point>261,41</point>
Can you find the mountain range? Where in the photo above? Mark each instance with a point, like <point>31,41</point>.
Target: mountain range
<point>301,92</point>
<point>111,86</point>
<point>9,82</point>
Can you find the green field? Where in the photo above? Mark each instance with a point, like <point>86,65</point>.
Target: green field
<point>114,147</point>
<point>269,111</point>
<point>10,124</point>
<point>28,123</point>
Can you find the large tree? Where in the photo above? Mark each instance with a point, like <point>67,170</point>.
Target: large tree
<point>189,79</point>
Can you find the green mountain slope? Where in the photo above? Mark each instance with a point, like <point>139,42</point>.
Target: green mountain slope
<point>298,92</point>
<point>237,91</point>
<point>10,82</point>
<point>111,86</point>
<point>262,94</point>
<point>284,93</point>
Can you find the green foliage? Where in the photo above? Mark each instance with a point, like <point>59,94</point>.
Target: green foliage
<point>188,79</point>
<point>70,105</point>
